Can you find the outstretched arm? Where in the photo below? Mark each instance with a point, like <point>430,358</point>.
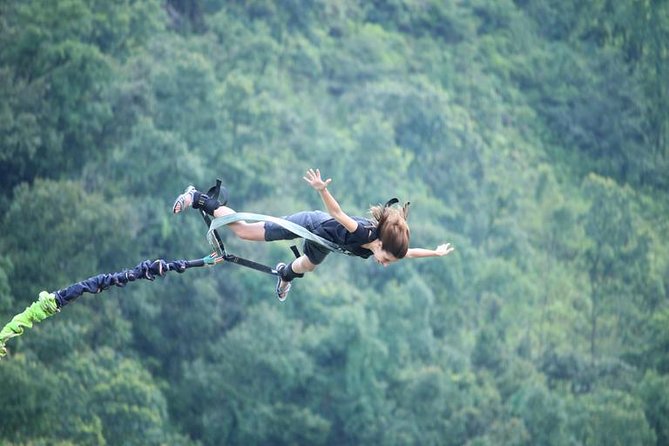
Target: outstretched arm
<point>313,177</point>
<point>442,250</point>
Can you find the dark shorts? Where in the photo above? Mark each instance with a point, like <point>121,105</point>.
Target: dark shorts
<point>311,220</point>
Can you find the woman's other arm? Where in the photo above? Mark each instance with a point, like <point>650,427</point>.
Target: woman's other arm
<point>313,177</point>
<point>442,250</point>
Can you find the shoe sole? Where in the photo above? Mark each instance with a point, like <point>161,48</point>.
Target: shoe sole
<point>180,199</point>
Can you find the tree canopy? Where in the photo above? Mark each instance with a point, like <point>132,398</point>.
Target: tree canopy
<point>531,134</point>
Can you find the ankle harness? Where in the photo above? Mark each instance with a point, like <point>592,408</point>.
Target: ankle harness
<point>288,274</point>
<point>204,202</point>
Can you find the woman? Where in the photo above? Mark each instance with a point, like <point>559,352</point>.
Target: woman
<point>384,236</point>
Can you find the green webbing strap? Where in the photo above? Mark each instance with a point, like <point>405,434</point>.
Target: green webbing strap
<point>39,310</point>
<point>292,227</point>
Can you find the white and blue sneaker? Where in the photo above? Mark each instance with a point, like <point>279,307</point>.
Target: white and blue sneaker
<point>184,200</point>
<point>282,287</point>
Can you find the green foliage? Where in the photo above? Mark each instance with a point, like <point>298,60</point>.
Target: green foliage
<point>28,398</point>
<point>612,418</point>
<point>115,395</point>
<point>61,61</point>
<point>616,257</point>
<point>21,134</point>
<point>655,342</point>
<point>531,134</point>
<point>544,415</point>
<point>6,269</point>
<point>252,408</point>
<point>60,225</point>
<point>654,392</point>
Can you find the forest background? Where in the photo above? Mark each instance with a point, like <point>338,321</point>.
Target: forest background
<point>531,134</point>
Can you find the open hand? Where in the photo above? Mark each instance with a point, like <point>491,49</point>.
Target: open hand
<point>313,177</point>
<point>444,250</point>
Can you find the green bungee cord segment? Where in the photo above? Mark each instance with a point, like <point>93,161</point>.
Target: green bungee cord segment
<point>39,310</point>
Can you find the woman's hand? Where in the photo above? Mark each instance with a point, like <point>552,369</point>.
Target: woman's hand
<point>444,250</point>
<point>313,177</point>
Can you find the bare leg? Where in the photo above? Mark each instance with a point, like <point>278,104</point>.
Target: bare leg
<point>303,265</point>
<point>243,230</point>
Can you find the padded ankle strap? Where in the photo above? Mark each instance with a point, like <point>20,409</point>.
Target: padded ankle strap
<point>288,274</point>
<point>204,202</point>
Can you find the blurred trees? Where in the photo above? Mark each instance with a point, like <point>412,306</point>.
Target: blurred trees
<point>532,134</point>
<point>58,61</point>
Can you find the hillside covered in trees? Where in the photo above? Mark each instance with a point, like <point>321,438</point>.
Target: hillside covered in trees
<point>533,135</point>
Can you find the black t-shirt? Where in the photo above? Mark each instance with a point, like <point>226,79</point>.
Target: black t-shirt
<point>334,231</point>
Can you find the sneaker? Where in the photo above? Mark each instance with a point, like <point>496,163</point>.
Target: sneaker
<point>282,288</point>
<point>184,200</point>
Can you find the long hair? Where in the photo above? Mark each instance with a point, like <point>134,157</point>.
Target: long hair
<point>392,227</point>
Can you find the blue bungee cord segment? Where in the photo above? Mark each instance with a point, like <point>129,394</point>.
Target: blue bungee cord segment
<point>50,303</point>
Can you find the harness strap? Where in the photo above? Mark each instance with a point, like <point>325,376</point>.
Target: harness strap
<point>231,258</point>
<point>214,192</point>
<point>298,230</point>
<point>391,202</point>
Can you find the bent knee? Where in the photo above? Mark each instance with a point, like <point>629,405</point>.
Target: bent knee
<point>306,264</point>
